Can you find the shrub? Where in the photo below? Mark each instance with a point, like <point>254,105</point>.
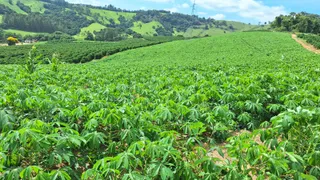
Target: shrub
<point>12,41</point>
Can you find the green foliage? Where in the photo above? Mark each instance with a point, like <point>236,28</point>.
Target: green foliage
<point>33,60</point>
<point>55,62</point>
<point>311,39</point>
<point>159,112</point>
<point>76,52</point>
<point>302,22</point>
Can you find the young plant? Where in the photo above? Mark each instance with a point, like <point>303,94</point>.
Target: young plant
<point>33,60</point>
<point>55,62</point>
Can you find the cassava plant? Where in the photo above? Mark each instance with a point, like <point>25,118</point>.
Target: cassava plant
<point>33,60</point>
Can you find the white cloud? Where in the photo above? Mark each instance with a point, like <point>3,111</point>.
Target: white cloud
<point>218,17</point>
<point>172,9</point>
<point>202,13</point>
<point>245,8</point>
<point>160,1</point>
<point>185,5</point>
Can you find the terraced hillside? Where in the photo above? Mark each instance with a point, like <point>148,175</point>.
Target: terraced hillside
<point>161,112</point>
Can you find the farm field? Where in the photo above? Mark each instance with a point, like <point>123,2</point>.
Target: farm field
<point>77,52</point>
<point>162,112</point>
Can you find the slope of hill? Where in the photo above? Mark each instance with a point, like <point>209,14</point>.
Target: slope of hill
<point>23,33</point>
<point>92,28</point>
<point>146,28</point>
<point>76,19</point>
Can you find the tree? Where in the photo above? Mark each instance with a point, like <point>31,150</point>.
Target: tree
<point>137,35</point>
<point>1,35</point>
<point>89,36</point>
<point>231,27</point>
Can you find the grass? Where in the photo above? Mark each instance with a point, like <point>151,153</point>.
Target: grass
<point>106,15</point>
<point>23,33</point>
<point>14,7</point>
<point>146,28</point>
<point>1,16</point>
<point>91,28</point>
<point>191,32</point>
<point>35,5</point>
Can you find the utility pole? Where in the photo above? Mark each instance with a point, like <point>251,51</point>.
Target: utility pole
<point>194,7</point>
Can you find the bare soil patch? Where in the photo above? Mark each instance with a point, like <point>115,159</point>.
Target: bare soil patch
<point>306,45</point>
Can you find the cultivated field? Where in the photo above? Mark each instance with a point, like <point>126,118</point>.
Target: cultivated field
<point>165,112</point>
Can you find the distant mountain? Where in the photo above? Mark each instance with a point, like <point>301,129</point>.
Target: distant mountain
<point>48,16</point>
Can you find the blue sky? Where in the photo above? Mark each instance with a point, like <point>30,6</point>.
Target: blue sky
<point>248,11</point>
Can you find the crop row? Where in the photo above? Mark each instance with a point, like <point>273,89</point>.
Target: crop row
<point>77,52</point>
<point>161,112</point>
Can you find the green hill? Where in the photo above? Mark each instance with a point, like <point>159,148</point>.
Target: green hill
<point>92,28</point>
<point>146,28</point>
<point>75,19</point>
<point>35,5</point>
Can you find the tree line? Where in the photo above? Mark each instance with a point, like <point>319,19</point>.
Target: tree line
<point>301,22</point>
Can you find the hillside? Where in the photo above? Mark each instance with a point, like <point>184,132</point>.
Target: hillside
<point>166,112</point>
<point>76,20</point>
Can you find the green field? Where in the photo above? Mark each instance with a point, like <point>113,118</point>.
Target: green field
<point>36,6</point>
<point>1,16</point>
<point>77,52</point>
<point>106,15</point>
<point>93,27</point>
<point>14,7</point>
<point>192,32</point>
<point>239,26</point>
<point>146,28</point>
<point>162,112</point>
<point>23,33</point>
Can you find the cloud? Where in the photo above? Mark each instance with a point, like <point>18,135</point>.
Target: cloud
<point>172,9</point>
<point>185,5</point>
<point>160,1</point>
<point>218,17</point>
<point>202,13</point>
<point>245,8</point>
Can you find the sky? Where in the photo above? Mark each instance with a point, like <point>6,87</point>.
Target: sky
<point>248,11</point>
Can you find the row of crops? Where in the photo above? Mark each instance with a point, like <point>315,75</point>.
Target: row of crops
<point>77,52</point>
<point>162,112</point>
<point>311,39</point>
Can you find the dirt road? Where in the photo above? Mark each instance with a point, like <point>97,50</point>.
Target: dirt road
<point>306,45</point>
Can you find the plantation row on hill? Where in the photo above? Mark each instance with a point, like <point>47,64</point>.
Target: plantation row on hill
<point>161,112</point>
<point>77,52</point>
